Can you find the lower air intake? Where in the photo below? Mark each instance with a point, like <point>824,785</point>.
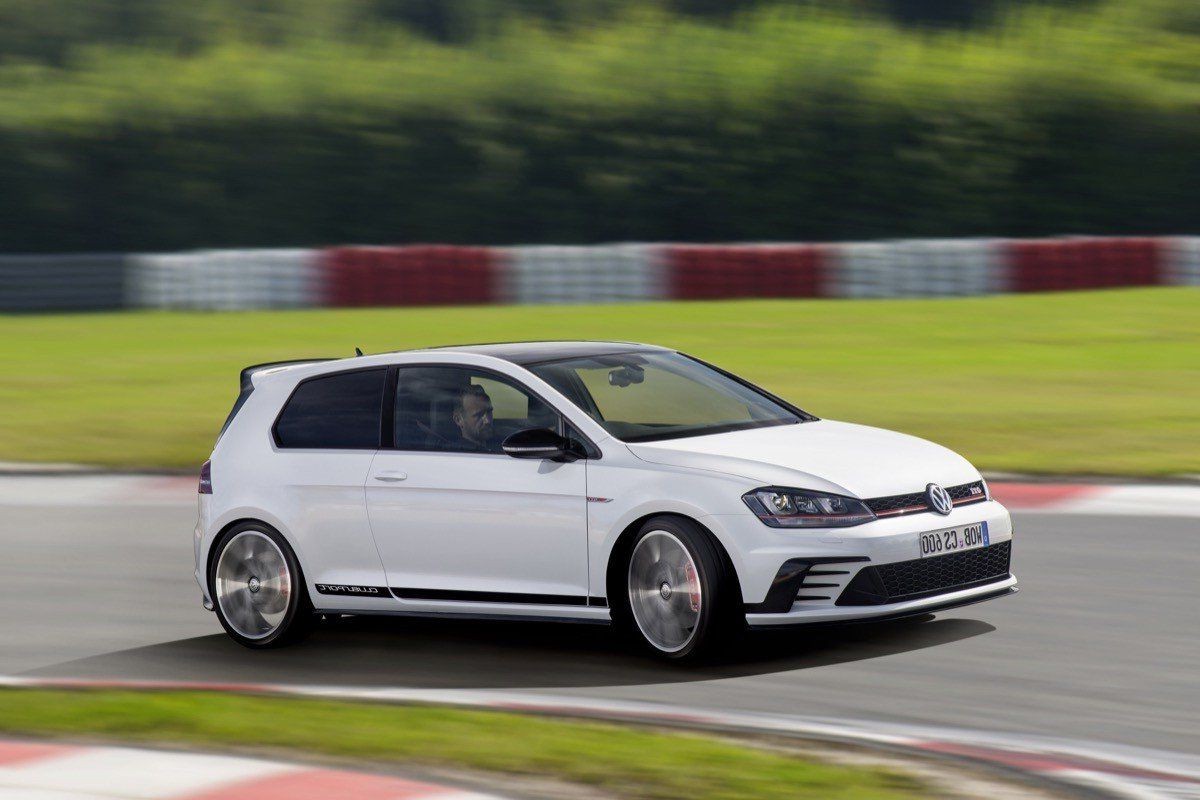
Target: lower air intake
<point>925,577</point>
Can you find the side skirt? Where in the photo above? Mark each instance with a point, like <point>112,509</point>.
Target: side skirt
<point>458,596</point>
<point>467,615</point>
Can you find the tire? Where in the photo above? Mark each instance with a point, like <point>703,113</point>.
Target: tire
<point>258,589</point>
<point>677,593</point>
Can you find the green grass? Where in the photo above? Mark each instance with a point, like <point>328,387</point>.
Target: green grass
<point>1090,383</point>
<point>627,762</point>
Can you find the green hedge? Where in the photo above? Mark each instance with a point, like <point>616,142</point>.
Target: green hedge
<point>784,124</point>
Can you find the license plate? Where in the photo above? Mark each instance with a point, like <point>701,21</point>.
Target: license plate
<point>954,540</point>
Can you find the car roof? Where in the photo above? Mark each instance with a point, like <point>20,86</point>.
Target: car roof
<point>527,353</point>
<point>520,353</point>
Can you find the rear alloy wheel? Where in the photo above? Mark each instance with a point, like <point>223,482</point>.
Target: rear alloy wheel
<point>258,592</point>
<point>678,588</point>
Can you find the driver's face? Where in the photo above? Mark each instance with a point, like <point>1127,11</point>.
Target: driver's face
<point>475,418</point>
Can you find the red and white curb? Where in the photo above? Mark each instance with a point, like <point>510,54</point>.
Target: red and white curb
<point>41,771</point>
<point>1134,499</point>
<point>1101,769</point>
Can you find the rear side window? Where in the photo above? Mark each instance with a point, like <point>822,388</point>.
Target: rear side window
<point>334,412</point>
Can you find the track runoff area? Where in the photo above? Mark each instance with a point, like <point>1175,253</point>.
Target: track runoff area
<point>1052,683</point>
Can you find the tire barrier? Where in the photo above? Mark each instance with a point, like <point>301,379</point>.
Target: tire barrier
<point>1048,265</point>
<point>1183,261</point>
<point>715,272</point>
<point>418,275</point>
<point>225,280</point>
<point>88,282</point>
<point>614,273</point>
<point>917,268</point>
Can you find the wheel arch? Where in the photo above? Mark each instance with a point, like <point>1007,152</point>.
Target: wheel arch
<point>623,546</point>
<point>211,554</point>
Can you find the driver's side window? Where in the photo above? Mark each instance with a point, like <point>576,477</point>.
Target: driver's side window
<point>460,409</point>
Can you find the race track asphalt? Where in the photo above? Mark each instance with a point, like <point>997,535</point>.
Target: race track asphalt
<point>1101,643</point>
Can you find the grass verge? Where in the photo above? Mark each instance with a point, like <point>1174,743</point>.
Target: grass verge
<point>1087,383</point>
<point>627,762</point>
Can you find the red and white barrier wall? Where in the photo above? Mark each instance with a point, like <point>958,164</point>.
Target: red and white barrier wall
<point>919,268</point>
<point>225,280</point>
<point>420,275</point>
<point>417,275</point>
<point>1183,260</point>
<point>609,273</point>
<point>1041,265</point>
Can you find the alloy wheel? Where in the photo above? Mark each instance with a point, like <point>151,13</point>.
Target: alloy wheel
<point>664,591</point>
<point>253,584</point>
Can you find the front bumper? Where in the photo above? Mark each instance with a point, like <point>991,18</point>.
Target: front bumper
<point>837,556</point>
<point>925,605</point>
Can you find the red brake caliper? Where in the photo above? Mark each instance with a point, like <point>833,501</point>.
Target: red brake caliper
<point>689,572</point>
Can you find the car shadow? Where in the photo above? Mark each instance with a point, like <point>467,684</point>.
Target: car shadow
<point>458,654</point>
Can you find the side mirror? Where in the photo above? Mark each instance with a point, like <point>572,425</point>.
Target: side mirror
<point>538,443</point>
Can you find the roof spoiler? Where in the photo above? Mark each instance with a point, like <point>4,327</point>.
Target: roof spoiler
<point>249,372</point>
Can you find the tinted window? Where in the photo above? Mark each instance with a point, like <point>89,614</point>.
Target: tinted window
<point>461,409</point>
<point>643,397</point>
<point>334,412</point>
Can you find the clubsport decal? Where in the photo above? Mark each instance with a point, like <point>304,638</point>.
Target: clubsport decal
<point>353,591</point>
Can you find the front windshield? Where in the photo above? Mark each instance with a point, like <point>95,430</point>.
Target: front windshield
<point>641,397</point>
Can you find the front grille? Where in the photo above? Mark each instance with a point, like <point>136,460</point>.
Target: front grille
<point>917,502</point>
<point>925,577</point>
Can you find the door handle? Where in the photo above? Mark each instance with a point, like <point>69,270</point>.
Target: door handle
<point>391,477</point>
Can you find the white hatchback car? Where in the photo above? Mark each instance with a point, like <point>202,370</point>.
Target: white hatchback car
<point>588,481</point>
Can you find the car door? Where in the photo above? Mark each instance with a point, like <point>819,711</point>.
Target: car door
<point>457,521</point>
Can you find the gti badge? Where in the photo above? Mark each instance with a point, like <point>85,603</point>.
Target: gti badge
<point>939,499</point>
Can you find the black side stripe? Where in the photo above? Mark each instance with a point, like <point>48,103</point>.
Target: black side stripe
<point>490,597</point>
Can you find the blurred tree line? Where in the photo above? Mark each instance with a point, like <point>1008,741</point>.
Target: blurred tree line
<point>50,30</point>
<point>153,124</point>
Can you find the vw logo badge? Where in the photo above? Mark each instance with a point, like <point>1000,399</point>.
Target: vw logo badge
<point>939,499</point>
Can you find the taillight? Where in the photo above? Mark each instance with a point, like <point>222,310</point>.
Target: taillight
<point>206,478</point>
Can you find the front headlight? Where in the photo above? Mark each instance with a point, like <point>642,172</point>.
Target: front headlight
<point>798,508</point>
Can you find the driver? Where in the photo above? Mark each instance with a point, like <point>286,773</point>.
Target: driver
<point>474,417</point>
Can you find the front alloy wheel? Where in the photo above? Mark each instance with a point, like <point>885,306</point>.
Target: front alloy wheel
<point>664,591</point>
<point>682,596</point>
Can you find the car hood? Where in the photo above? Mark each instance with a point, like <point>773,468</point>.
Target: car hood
<point>824,455</point>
